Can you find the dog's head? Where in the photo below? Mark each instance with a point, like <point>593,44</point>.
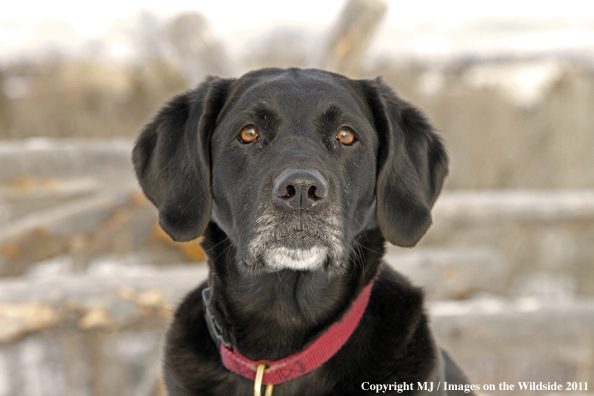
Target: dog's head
<point>292,165</point>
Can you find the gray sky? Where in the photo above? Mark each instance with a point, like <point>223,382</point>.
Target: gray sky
<point>27,24</point>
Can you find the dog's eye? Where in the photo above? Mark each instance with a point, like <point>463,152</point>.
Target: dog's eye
<point>248,134</point>
<point>346,136</point>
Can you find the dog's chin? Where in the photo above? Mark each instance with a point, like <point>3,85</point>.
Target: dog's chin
<point>296,258</point>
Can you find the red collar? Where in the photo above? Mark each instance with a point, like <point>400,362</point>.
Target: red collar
<point>322,349</point>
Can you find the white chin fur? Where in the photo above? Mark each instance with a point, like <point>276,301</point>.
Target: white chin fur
<point>296,259</point>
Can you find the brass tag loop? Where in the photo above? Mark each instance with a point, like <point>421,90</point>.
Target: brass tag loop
<point>258,382</point>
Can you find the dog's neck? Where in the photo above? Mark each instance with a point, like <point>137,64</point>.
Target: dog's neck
<point>274,315</point>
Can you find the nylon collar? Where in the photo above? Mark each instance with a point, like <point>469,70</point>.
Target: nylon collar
<point>316,354</point>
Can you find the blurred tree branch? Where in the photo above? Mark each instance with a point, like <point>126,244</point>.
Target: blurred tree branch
<point>349,39</point>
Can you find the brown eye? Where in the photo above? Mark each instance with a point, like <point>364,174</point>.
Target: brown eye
<point>346,136</point>
<point>248,134</point>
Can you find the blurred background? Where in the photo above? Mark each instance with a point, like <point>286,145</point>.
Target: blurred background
<point>88,280</point>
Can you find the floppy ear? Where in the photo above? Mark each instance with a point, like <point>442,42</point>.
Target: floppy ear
<point>412,165</point>
<point>171,159</point>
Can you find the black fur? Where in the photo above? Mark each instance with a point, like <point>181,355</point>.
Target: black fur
<point>204,181</point>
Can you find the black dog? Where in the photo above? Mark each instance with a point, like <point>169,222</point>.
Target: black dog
<point>296,178</point>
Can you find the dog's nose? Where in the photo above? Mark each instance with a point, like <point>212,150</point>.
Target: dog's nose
<point>300,188</point>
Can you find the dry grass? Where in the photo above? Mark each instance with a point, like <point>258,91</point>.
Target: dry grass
<point>494,141</point>
<point>83,98</point>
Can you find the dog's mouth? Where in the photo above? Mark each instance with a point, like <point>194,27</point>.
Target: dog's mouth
<point>295,245</point>
<point>280,256</point>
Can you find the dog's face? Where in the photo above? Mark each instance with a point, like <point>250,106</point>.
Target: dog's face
<point>292,165</point>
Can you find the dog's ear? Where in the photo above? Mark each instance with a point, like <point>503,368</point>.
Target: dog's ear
<point>412,165</point>
<point>171,159</point>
